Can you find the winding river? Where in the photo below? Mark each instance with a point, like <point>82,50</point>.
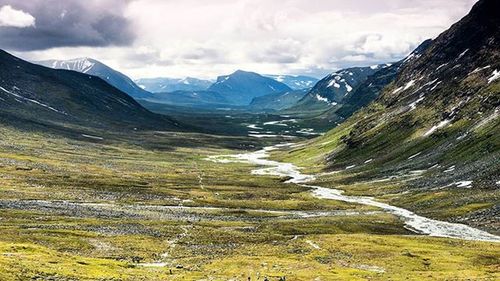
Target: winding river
<point>413,221</point>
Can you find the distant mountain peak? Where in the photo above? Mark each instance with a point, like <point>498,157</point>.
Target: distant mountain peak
<point>239,71</point>
<point>83,65</point>
<point>242,87</point>
<point>94,67</point>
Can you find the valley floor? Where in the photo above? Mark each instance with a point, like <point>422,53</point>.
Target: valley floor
<point>150,206</point>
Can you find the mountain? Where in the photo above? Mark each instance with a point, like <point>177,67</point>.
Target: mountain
<point>163,85</point>
<point>430,141</point>
<point>332,89</point>
<point>96,68</point>
<point>36,94</point>
<point>278,101</point>
<point>296,82</point>
<point>365,92</point>
<point>370,89</point>
<point>197,99</point>
<point>241,86</point>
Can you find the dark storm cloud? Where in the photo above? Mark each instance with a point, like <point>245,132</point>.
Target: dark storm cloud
<point>68,23</point>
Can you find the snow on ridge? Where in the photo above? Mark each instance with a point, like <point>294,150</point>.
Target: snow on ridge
<point>323,99</point>
<point>450,169</point>
<point>32,101</point>
<point>348,87</point>
<point>414,155</point>
<point>464,184</point>
<point>86,65</point>
<point>333,83</point>
<point>462,54</point>
<point>441,66</point>
<point>494,76</point>
<point>83,65</point>
<point>414,104</point>
<point>397,90</point>
<point>435,86</point>
<point>409,84</point>
<point>438,126</point>
<point>480,69</point>
<point>320,98</point>
<point>405,87</point>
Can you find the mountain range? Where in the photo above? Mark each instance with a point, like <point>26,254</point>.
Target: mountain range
<point>33,93</point>
<point>237,89</point>
<point>332,89</point>
<point>163,85</point>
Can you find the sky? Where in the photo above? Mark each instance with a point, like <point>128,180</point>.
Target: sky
<point>204,39</point>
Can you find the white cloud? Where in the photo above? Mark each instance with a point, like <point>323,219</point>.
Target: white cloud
<point>208,38</point>
<point>15,18</point>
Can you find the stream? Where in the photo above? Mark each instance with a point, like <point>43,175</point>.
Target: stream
<point>413,222</point>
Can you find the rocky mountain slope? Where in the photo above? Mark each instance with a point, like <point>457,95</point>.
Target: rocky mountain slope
<point>93,67</point>
<point>333,89</point>
<point>241,86</point>
<point>320,108</point>
<point>296,82</point>
<point>433,134</point>
<point>371,88</point>
<point>36,94</point>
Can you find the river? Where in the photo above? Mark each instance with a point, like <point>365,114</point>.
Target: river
<point>414,222</point>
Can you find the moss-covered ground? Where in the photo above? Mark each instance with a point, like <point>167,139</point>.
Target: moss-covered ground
<point>149,206</point>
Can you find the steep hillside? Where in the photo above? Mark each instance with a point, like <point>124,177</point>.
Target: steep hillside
<point>33,93</point>
<point>164,85</point>
<point>296,82</point>
<point>278,101</point>
<point>433,134</point>
<point>241,86</point>
<point>96,68</point>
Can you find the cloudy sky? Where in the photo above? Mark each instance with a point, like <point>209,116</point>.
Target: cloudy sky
<point>172,38</point>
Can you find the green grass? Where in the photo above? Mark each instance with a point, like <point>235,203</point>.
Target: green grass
<point>170,169</point>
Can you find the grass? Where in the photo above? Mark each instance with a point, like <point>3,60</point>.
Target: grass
<point>325,257</point>
<point>74,208</point>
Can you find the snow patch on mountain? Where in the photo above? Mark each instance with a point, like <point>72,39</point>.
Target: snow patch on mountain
<point>494,76</point>
<point>436,127</point>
